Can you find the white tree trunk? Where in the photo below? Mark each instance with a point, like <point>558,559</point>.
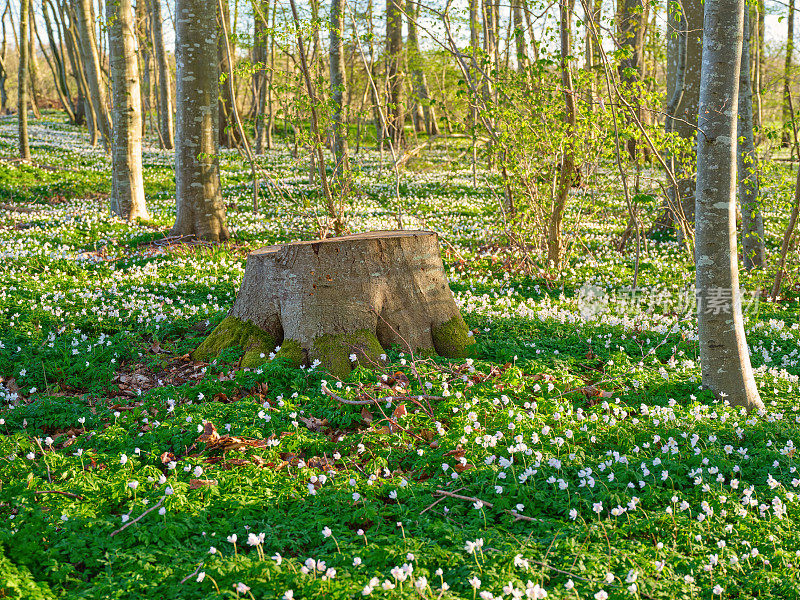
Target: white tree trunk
<point>753,251</point>
<point>724,355</point>
<point>91,68</point>
<point>198,197</point>
<point>127,184</point>
<point>165,105</point>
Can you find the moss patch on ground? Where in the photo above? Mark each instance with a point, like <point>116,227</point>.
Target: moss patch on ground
<point>333,351</point>
<point>453,339</point>
<point>233,332</point>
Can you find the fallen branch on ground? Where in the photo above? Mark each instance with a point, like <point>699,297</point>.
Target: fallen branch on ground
<point>67,494</point>
<point>328,392</point>
<point>139,518</point>
<point>513,513</point>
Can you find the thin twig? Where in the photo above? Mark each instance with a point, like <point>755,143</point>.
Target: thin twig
<point>192,574</point>
<point>430,506</point>
<point>513,513</point>
<point>327,391</point>
<point>139,518</point>
<point>68,494</point>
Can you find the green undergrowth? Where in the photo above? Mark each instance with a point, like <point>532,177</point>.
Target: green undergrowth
<point>580,454</point>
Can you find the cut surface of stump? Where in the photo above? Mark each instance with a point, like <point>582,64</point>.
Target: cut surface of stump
<point>332,299</point>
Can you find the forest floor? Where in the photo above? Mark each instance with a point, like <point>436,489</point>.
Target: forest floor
<point>574,457</point>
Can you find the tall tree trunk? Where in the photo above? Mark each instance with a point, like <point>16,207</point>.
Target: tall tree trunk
<point>33,66</point>
<point>753,251</point>
<point>3,63</point>
<point>632,28</point>
<point>58,67</point>
<point>260,57</point>
<point>200,209</point>
<point>567,167</point>
<point>415,64</point>
<point>228,134</point>
<point>127,184</point>
<point>759,69</point>
<point>91,69</point>
<point>22,82</point>
<point>519,35</point>
<point>686,113</point>
<point>394,76</point>
<point>787,77</point>
<point>338,85</point>
<point>165,105</point>
<point>145,48</point>
<point>724,355</point>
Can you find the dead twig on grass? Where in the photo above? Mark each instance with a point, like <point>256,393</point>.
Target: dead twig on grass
<point>67,494</point>
<point>513,513</point>
<point>139,518</point>
<point>328,392</point>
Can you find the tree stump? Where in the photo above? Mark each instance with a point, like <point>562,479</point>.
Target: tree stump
<point>344,297</point>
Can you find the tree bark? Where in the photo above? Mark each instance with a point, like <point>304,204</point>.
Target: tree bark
<point>395,115</point>
<point>91,68</point>
<point>724,355</point>
<point>685,122</point>
<point>341,301</point>
<point>228,133</point>
<point>22,82</point>
<point>753,250</point>
<point>567,167</point>
<point>338,85</point>
<point>260,77</point>
<point>415,64</point>
<point>127,195</point>
<point>200,209</point>
<point>166,122</point>
<point>787,76</point>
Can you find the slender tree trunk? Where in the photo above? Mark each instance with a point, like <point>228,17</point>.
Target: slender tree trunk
<point>200,209</point>
<point>338,85</point>
<point>270,107</point>
<point>228,134</point>
<point>632,28</point>
<point>416,63</point>
<point>58,65</point>
<point>686,113</point>
<point>260,58</point>
<point>394,76</point>
<point>91,69</point>
<point>519,35</point>
<point>3,63</point>
<point>753,251</point>
<point>787,76</point>
<point>724,355</point>
<point>758,79</point>
<point>567,167</point>
<point>127,195</point>
<point>22,82</point>
<point>33,66</point>
<point>166,123</point>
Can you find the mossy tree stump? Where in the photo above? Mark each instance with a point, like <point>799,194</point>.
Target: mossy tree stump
<point>351,295</point>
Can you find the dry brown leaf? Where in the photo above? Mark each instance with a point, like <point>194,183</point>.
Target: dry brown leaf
<point>195,484</point>
<point>209,435</point>
<point>167,457</point>
<point>366,415</point>
<point>314,424</point>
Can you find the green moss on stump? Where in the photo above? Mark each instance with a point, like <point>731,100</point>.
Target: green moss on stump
<point>293,352</point>
<point>235,332</point>
<point>333,351</point>
<point>452,339</point>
